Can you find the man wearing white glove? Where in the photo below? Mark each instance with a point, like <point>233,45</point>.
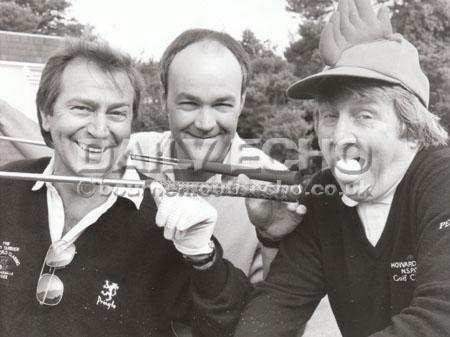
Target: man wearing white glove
<point>98,256</point>
<point>188,222</point>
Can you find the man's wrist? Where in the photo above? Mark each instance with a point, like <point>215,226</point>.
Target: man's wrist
<point>201,261</point>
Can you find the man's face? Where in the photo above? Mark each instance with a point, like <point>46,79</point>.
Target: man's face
<point>91,121</point>
<point>204,100</point>
<point>366,130</point>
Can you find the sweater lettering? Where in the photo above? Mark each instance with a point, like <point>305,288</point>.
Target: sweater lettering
<point>404,270</point>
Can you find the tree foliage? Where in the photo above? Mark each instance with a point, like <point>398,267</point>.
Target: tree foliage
<point>426,23</point>
<point>152,117</point>
<point>268,116</point>
<point>40,17</point>
<point>269,78</point>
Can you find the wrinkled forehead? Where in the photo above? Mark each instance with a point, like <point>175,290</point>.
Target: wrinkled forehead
<point>347,96</point>
<point>83,75</point>
<point>205,59</point>
<point>341,89</point>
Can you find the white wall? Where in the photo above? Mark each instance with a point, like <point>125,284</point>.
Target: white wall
<point>18,85</point>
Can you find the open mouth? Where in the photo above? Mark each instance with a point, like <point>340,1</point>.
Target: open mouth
<point>91,148</point>
<point>351,159</point>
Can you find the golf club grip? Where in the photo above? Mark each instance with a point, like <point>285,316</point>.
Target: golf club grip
<point>277,192</point>
<point>273,176</point>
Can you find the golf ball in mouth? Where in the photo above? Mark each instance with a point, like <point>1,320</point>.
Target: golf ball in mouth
<point>347,170</point>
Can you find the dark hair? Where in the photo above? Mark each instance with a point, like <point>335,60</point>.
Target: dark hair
<point>102,55</point>
<point>416,121</point>
<point>192,36</point>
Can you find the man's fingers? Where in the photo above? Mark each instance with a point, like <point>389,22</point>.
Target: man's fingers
<point>329,49</point>
<point>385,21</point>
<point>292,206</point>
<point>365,10</point>
<point>169,232</point>
<point>243,179</point>
<point>353,14</point>
<point>301,210</point>
<point>345,25</point>
<point>339,38</point>
<point>256,204</point>
<point>296,207</point>
<point>157,190</point>
<point>174,218</point>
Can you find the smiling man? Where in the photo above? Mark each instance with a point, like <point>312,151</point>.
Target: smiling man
<point>81,145</point>
<point>204,76</point>
<point>112,262</point>
<point>378,245</point>
<point>204,100</point>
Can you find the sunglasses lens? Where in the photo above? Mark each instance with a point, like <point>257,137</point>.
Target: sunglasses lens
<point>49,289</point>
<point>60,254</point>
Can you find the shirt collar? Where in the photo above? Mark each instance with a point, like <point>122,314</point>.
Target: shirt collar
<point>48,171</point>
<point>385,199</point>
<point>165,149</point>
<point>134,194</point>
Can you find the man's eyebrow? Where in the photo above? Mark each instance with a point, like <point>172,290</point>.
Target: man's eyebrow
<point>93,103</point>
<point>190,97</point>
<point>227,98</point>
<point>82,100</point>
<point>185,95</point>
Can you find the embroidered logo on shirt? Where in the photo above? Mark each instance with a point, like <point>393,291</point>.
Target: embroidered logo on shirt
<point>8,260</point>
<point>404,271</point>
<point>444,224</point>
<point>107,294</point>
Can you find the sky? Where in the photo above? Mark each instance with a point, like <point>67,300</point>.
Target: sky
<point>143,28</point>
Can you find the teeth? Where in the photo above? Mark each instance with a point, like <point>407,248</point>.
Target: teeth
<point>91,149</point>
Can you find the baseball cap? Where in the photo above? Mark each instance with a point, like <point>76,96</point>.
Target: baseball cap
<point>392,60</point>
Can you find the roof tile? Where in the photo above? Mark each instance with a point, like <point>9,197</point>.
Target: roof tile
<point>32,48</point>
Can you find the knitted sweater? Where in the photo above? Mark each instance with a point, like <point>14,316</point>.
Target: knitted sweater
<point>400,287</point>
<point>125,279</point>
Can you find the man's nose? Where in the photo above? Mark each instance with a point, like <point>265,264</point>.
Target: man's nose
<point>98,126</point>
<point>343,129</point>
<point>206,119</point>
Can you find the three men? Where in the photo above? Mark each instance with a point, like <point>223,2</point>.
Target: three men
<point>102,265</point>
<point>376,235</point>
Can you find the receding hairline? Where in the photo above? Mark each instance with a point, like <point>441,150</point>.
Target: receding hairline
<point>210,49</point>
<point>193,36</point>
<point>208,46</point>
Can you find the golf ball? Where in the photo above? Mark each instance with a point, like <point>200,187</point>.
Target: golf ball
<point>347,170</point>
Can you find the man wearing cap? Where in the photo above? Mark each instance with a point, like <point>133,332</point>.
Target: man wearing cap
<point>377,231</point>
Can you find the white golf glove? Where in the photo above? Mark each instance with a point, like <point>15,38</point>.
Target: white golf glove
<point>188,221</point>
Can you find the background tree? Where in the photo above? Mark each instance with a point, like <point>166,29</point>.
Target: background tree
<point>40,17</point>
<point>273,123</point>
<point>426,23</point>
<point>152,117</point>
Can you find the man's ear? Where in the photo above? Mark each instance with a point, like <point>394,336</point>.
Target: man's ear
<point>163,100</point>
<point>46,120</point>
<point>243,96</point>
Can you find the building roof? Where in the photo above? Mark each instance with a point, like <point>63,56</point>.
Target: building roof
<point>29,48</point>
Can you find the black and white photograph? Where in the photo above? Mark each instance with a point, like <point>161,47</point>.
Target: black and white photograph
<point>210,168</point>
